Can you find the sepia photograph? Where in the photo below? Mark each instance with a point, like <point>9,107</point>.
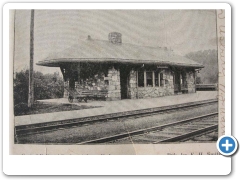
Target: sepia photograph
<point>118,89</point>
<point>115,77</point>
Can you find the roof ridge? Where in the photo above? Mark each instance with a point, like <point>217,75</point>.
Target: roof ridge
<point>155,47</point>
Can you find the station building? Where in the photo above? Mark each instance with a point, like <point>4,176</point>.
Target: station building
<point>124,71</point>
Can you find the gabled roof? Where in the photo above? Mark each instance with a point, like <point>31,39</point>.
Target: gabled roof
<point>105,51</point>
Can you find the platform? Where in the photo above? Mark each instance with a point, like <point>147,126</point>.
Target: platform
<point>108,107</point>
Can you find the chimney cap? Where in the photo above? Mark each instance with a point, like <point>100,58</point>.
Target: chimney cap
<point>115,37</point>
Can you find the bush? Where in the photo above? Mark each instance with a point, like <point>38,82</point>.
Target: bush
<point>46,86</point>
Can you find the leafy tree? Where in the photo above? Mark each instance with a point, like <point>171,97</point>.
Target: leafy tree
<point>208,58</point>
<point>46,86</point>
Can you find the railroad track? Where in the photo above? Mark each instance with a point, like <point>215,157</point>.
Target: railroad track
<point>52,126</point>
<point>171,132</point>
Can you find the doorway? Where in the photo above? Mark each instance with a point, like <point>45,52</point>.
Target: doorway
<point>177,82</point>
<point>124,78</point>
<point>71,84</point>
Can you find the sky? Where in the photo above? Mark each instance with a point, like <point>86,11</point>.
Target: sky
<point>183,31</point>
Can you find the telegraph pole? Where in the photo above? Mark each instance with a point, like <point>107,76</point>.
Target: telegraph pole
<point>31,78</point>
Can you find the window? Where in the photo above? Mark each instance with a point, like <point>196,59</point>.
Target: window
<point>156,79</point>
<point>161,79</point>
<point>149,79</point>
<point>140,79</point>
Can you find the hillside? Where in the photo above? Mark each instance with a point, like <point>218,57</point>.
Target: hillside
<point>209,74</point>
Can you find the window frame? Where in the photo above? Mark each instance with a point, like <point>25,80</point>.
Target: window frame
<point>156,77</point>
<point>151,79</point>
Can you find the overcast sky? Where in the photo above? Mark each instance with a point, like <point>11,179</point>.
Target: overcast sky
<point>183,31</point>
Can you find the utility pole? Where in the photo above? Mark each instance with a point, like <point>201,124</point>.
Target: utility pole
<point>14,42</point>
<point>31,78</point>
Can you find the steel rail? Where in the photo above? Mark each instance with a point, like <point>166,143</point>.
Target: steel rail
<point>189,135</point>
<point>50,126</point>
<point>142,131</point>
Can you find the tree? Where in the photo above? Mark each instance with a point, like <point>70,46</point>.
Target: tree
<point>46,86</point>
<point>208,58</point>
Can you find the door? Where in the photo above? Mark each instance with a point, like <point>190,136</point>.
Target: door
<point>177,82</point>
<point>71,83</point>
<point>124,76</point>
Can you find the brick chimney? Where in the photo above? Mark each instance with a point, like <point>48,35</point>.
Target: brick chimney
<point>115,37</point>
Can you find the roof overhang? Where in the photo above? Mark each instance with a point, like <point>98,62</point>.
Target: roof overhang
<point>62,61</point>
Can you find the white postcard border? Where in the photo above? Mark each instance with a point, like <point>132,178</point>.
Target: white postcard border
<point>101,165</point>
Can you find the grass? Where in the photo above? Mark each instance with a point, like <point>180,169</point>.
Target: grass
<point>41,108</point>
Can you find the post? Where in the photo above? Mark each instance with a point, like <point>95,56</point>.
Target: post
<point>14,42</point>
<point>145,78</point>
<point>153,78</point>
<point>195,76</point>
<point>159,79</point>
<point>31,78</point>
<point>137,82</point>
<point>78,70</point>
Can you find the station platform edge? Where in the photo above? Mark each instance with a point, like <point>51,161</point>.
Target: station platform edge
<point>108,107</point>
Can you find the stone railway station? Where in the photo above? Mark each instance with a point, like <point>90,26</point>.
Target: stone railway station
<point>124,71</point>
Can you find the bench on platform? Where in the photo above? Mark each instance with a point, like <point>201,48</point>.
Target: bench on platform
<point>86,95</point>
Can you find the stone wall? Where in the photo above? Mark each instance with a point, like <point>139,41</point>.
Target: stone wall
<point>66,84</point>
<point>111,83</point>
<point>190,78</point>
<point>114,88</point>
<point>150,92</point>
<point>168,83</point>
<point>132,86</point>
